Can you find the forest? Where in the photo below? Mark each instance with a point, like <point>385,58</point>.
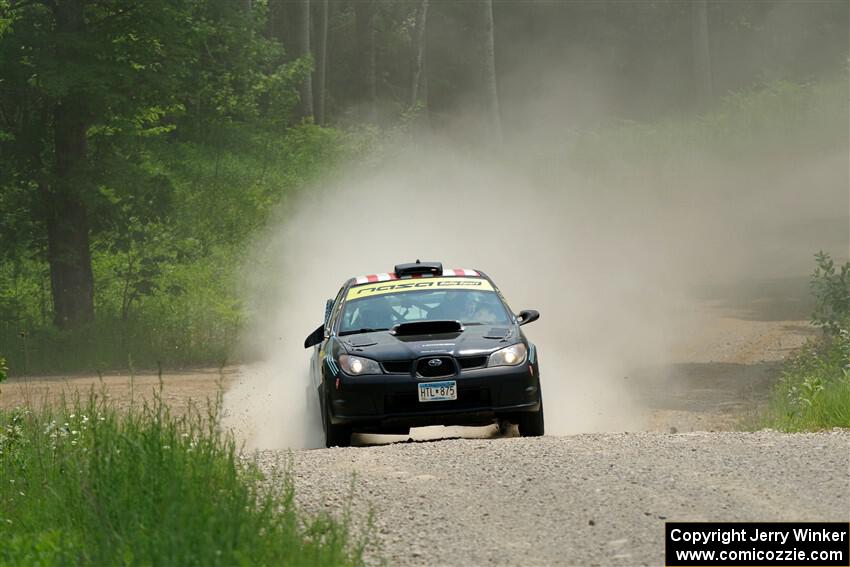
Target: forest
<point>144,144</point>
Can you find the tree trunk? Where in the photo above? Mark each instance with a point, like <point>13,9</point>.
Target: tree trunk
<point>491,88</point>
<point>302,49</point>
<point>289,23</point>
<point>68,251</point>
<point>321,52</point>
<point>416,95</point>
<point>364,15</point>
<point>275,28</point>
<point>701,52</point>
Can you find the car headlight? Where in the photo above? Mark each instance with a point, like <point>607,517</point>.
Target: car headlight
<point>356,365</point>
<point>513,355</point>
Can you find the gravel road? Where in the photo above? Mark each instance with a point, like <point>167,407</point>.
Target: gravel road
<point>590,499</point>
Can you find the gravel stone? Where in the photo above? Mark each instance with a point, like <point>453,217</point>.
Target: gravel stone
<point>575,500</point>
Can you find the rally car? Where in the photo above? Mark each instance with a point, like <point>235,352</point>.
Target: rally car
<point>423,346</point>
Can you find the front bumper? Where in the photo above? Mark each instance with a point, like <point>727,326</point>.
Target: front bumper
<point>390,402</point>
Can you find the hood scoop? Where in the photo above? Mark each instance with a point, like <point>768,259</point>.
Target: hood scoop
<point>426,328</point>
<point>361,342</point>
<point>497,333</point>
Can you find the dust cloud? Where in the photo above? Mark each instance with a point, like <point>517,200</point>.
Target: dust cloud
<point>610,262</point>
<point>614,251</point>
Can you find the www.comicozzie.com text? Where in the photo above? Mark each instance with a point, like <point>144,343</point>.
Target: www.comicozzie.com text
<point>726,536</point>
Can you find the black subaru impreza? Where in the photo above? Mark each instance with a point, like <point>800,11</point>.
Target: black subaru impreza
<point>423,346</point>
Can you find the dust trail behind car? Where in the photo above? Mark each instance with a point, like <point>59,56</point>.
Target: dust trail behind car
<point>610,269</point>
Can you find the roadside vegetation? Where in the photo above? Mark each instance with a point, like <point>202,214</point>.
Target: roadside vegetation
<point>814,391</point>
<point>120,230</point>
<point>165,253</point>
<point>82,484</point>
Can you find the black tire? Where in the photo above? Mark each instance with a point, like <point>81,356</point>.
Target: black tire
<point>335,435</point>
<point>531,423</point>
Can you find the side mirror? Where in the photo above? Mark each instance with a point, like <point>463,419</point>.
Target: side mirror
<point>527,316</point>
<point>315,338</point>
<point>329,305</point>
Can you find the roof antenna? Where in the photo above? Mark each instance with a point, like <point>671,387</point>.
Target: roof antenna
<point>417,261</point>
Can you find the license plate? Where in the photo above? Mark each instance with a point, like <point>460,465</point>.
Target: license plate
<point>437,391</point>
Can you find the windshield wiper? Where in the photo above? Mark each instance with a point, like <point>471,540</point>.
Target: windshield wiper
<point>359,331</point>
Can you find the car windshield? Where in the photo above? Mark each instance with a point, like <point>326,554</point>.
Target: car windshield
<point>380,312</point>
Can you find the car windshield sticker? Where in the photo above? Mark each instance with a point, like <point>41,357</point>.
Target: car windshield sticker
<point>419,284</point>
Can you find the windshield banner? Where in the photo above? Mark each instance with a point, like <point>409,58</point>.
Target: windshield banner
<point>419,284</point>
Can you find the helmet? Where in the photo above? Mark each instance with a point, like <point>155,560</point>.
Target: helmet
<point>373,315</point>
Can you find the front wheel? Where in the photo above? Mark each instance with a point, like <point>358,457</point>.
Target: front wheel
<point>335,435</point>
<point>531,423</point>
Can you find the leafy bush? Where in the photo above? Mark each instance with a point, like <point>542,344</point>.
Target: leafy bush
<point>814,391</point>
<point>831,289</point>
<point>84,485</point>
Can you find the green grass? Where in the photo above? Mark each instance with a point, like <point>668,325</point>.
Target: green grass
<point>86,485</point>
<point>814,392</point>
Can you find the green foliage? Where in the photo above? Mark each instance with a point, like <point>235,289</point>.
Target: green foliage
<point>165,254</point>
<point>83,485</point>
<point>3,369</point>
<point>831,289</point>
<point>814,392</point>
<point>189,147</point>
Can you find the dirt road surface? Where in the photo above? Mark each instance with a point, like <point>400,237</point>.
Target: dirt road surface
<point>590,499</point>
<point>177,389</point>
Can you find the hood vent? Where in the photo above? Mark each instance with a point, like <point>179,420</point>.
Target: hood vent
<point>497,333</point>
<point>361,342</point>
<point>426,328</point>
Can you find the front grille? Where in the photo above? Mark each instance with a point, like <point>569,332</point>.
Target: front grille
<point>436,366</point>
<point>397,366</point>
<point>466,398</point>
<point>445,369</point>
<point>472,362</point>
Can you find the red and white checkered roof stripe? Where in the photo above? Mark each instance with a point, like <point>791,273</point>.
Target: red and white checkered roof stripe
<point>385,277</point>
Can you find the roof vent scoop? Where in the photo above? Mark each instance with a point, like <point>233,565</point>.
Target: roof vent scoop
<point>426,328</point>
<point>433,268</point>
